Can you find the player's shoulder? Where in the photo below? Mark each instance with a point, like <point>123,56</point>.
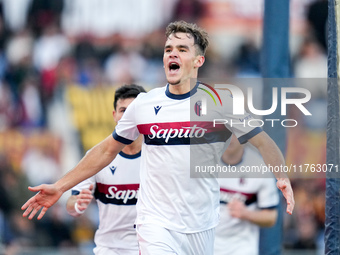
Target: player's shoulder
<point>224,91</point>
<point>225,94</point>
<point>156,91</point>
<point>151,93</point>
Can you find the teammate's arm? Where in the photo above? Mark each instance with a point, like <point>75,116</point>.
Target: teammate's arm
<point>95,160</point>
<point>261,217</point>
<point>77,204</point>
<point>272,155</point>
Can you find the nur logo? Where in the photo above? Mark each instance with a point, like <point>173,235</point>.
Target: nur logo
<point>201,106</point>
<point>238,99</point>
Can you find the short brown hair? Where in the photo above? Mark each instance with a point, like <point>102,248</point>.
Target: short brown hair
<point>200,36</point>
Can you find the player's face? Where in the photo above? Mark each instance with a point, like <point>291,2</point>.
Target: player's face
<point>180,58</point>
<point>122,104</point>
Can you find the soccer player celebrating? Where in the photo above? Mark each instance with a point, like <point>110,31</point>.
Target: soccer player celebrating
<point>176,214</point>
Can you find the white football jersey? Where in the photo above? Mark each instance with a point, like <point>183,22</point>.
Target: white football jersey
<point>116,190</point>
<point>175,137</point>
<point>238,237</point>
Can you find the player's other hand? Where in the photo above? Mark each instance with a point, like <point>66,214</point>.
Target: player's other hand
<point>47,196</point>
<point>84,198</point>
<point>284,185</point>
<point>237,209</point>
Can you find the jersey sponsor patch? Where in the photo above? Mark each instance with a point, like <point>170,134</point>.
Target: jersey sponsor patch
<point>176,133</point>
<point>122,194</point>
<point>227,195</point>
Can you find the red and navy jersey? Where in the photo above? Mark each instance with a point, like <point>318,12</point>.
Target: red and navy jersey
<point>175,136</point>
<point>116,191</point>
<point>235,236</point>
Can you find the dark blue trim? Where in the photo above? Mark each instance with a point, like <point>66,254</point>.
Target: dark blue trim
<point>253,199</point>
<point>214,137</point>
<point>74,192</point>
<point>128,156</point>
<point>182,96</point>
<point>121,139</point>
<point>269,208</point>
<point>161,141</point>
<point>243,139</point>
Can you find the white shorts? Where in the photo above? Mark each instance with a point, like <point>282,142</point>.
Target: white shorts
<point>114,251</point>
<point>154,239</point>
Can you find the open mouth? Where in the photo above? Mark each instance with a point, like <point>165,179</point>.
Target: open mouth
<point>173,67</point>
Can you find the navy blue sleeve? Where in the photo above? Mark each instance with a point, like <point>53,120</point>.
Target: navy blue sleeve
<point>243,139</point>
<point>121,139</point>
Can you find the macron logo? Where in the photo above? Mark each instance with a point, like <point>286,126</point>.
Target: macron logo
<point>157,108</point>
<point>113,169</point>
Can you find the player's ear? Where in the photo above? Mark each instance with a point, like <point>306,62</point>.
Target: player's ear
<point>114,114</point>
<point>199,61</point>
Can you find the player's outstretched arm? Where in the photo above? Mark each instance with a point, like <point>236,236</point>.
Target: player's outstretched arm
<point>77,204</point>
<point>95,160</point>
<point>272,156</point>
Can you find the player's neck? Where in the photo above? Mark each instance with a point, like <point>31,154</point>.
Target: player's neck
<point>182,88</point>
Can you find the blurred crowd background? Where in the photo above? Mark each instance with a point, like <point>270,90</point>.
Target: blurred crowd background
<point>60,62</point>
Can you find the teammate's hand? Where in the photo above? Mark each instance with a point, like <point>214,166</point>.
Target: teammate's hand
<point>284,185</point>
<point>84,198</point>
<point>47,196</point>
<point>237,209</point>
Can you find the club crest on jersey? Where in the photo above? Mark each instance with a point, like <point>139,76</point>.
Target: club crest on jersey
<point>113,169</point>
<point>157,108</point>
<point>198,108</point>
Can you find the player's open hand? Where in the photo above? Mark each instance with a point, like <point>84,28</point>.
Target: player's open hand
<point>284,185</point>
<point>47,196</point>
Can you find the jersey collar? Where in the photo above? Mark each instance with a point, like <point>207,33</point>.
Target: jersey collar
<point>183,96</point>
